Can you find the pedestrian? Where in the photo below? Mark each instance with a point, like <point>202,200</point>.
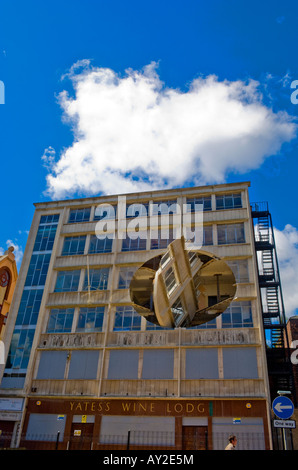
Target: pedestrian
<point>232,443</point>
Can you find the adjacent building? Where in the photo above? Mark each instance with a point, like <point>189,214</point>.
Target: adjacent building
<point>8,279</point>
<point>86,370</point>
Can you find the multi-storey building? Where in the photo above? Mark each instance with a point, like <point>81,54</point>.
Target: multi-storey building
<point>85,369</point>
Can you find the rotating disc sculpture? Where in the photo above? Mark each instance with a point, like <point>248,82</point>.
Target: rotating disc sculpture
<point>182,288</point>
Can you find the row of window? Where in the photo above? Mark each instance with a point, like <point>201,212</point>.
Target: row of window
<point>95,279</point>
<point>152,364</point>
<point>226,201</point>
<point>90,319</point>
<point>227,234</point>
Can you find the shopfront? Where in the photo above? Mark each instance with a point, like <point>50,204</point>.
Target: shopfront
<point>144,424</point>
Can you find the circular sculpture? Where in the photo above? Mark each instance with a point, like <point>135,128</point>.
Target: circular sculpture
<point>182,288</point>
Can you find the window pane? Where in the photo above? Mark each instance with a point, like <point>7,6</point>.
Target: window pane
<point>37,270</point>
<point>170,280</point>
<point>67,281</point>
<point>105,211</point>
<point>126,318</point>
<point>204,200</point>
<point>79,215</point>
<point>125,276</point>
<point>237,315</point>
<point>98,279</point>
<point>90,319</point>
<point>240,233</point>
<point>130,244</point>
<point>100,245</point>
<point>74,246</point>
<point>228,201</point>
<point>60,320</point>
<point>208,235</point>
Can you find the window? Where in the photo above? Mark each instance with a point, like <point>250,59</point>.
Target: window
<point>228,201</point>
<point>126,319</point>
<point>137,210</point>
<point>123,364</point>
<point>131,244</point>
<point>79,215</point>
<point>200,235</point>
<point>52,365</point>
<point>83,365</point>
<point>100,246</point>
<point>60,320</point>
<point>158,364</point>
<point>164,207</point>
<point>201,363</point>
<point>230,233</point>
<point>165,259</point>
<point>38,269</point>
<point>170,280</point>
<point>29,307</point>
<point>74,246</point>
<point>90,319</point>
<point>207,235</point>
<point>240,269</point>
<point>49,219</point>
<point>161,241</point>
<point>240,363</point>
<point>237,315</point>
<point>207,325</point>
<point>177,311</point>
<point>105,211</point>
<point>20,348</point>
<point>67,281</point>
<point>45,237</point>
<point>204,200</point>
<point>98,279</point>
<point>125,276</point>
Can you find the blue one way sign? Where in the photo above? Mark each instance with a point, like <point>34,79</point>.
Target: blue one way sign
<point>283,407</point>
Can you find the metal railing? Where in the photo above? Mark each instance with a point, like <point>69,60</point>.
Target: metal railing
<point>134,440</point>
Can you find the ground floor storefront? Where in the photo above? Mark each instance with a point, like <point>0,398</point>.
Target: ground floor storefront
<point>94,424</point>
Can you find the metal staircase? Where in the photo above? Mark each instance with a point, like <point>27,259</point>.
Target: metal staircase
<point>274,320</point>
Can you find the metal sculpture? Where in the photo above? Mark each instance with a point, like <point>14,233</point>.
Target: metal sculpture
<point>182,288</point>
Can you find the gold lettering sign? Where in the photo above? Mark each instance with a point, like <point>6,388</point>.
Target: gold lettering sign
<point>127,407</point>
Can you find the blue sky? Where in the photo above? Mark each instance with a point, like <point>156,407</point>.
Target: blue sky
<point>59,58</point>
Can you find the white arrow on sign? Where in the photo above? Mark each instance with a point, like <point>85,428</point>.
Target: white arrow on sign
<point>279,407</point>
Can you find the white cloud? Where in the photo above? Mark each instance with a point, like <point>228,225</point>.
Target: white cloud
<point>131,133</point>
<point>287,250</point>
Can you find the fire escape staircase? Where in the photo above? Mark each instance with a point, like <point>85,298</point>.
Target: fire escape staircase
<point>279,367</point>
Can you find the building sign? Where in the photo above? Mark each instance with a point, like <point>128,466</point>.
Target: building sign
<point>141,407</point>
<point>284,423</point>
<point>11,404</point>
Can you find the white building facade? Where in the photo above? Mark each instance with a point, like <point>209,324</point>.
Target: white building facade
<point>82,367</point>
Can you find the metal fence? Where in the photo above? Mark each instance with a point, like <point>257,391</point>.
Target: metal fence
<point>133,440</point>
